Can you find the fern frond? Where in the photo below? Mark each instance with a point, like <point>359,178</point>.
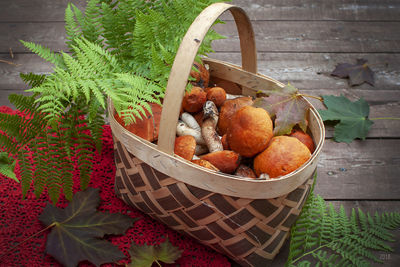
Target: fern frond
<point>25,163</point>
<point>32,79</point>
<point>40,160</point>
<point>44,53</point>
<point>7,166</point>
<point>84,155</point>
<point>71,26</point>
<point>342,240</point>
<point>91,27</point>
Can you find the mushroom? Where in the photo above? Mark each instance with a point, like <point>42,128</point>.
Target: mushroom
<point>283,155</point>
<point>245,171</point>
<point>250,131</point>
<point>185,146</point>
<point>182,129</point>
<point>304,138</point>
<point>228,109</point>
<point>216,95</point>
<point>210,120</point>
<point>190,121</point>
<point>199,117</point>
<point>230,96</point>
<point>194,100</point>
<point>201,74</point>
<point>200,150</point>
<point>224,142</point>
<point>204,163</point>
<point>226,161</point>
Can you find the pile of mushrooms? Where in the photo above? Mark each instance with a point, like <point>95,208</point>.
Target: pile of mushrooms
<point>226,133</point>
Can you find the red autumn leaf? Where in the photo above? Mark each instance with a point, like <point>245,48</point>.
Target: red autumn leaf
<point>288,106</point>
<point>357,73</point>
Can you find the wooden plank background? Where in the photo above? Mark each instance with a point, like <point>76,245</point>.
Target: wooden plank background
<point>297,41</point>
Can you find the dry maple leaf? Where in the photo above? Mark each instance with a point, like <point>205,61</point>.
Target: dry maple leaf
<point>288,106</point>
<point>357,73</point>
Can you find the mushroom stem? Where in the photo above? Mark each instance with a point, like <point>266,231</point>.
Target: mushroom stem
<point>230,96</point>
<point>200,150</point>
<point>183,129</point>
<point>208,131</point>
<point>190,121</point>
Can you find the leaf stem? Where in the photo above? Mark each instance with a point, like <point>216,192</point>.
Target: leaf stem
<point>311,96</point>
<point>27,239</point>
<point>385,118</point>
<point>312,251</point>
<point>159,264</point>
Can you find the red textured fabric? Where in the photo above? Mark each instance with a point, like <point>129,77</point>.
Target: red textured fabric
<point>19,220</point>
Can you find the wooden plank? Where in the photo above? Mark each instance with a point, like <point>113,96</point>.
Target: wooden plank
<point>383,10</point>
<point>271,36</point>
<point>51,35</point>
<point>35,10</point>
<point>24,63</point>
<point>316,36</point>
<point>312,70</point>
<point>390,259</point>
<point>366,169</point>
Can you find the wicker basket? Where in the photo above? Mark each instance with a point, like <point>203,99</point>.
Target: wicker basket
<point>247,220</point>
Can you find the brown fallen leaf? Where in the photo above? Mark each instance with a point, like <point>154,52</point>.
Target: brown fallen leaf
<point>357,73</point>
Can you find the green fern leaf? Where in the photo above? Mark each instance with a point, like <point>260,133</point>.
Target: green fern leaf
<point>7,166</point>
<point>44,53</point>
<point>342,240</point>
<point>32,79</point>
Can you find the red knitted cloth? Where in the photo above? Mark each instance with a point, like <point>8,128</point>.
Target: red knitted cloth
<point>19,220</point>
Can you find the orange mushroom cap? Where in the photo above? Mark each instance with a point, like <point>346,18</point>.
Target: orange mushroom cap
<point>228,109</point>
<point>283,155</point>
<point>226,161</point>
<point>250,131</point>
<point>194,100</point>
<point>185,146</point>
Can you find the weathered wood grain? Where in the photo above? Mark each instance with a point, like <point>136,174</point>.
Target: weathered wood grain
<point>390,259</point>
<point>271,36</point>
<point>300,69</point>
<point>383,10</point>
<point>51,35</point>
<point>24,63</point>
<point>366,169</point>
<point>35,10</point>
<point>316,36</point>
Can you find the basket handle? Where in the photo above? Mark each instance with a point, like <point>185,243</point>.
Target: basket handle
<point>184,60</point>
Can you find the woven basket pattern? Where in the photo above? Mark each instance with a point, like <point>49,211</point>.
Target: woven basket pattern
<point>250,231</point>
